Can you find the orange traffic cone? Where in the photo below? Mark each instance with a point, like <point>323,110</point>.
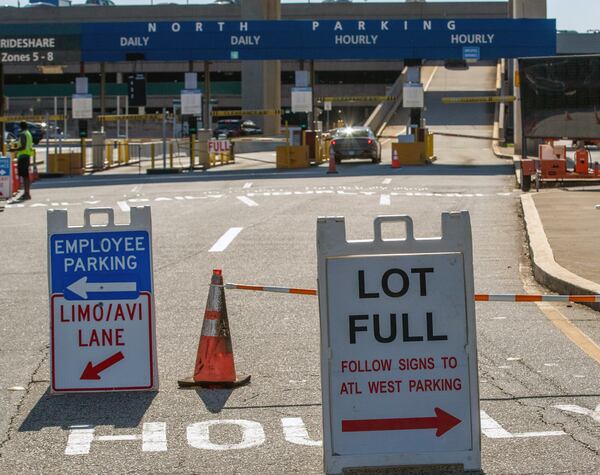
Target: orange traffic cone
<point>34,175</point>
<point>16,182</point>
<point>395,160</point>
<point>332,168</point>
<point>214,362</point>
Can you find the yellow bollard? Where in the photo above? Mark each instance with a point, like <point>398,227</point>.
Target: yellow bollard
<point>152,157</point>
<point>170,154</point>
<point>109,154</point>
<point>127,151</point>
<point>120,152</point>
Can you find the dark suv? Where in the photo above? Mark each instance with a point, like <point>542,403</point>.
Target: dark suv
<point>236,128</point>
<point>37,132</point>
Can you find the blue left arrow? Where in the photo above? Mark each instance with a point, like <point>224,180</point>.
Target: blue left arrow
<point>82,287</point>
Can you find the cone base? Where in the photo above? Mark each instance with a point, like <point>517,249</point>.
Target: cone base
<point>190,383</point>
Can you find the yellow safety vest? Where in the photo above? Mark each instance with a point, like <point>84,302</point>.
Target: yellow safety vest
<point>28,144</point>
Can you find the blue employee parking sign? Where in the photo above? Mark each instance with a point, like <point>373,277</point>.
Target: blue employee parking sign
<point>101,303</point>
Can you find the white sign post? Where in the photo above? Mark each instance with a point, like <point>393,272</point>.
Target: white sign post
<point>398,348</point>
<point>301,99</point>
<point>413,96</point>
<point>191,102</point>
<point>102,324</point>
<point>82,106</point>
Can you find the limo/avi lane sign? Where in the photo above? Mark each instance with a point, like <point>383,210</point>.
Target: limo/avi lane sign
<point>102,327</point>
<point>398,352</point>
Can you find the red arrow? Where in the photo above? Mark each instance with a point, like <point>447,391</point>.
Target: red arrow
<point>442,422</point>
<point>93,372</point>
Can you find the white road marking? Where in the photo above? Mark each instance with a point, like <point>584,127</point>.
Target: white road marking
<point>387,181</point>
<point>595,414</point>
<point>295,432</point>
<point>490,428</point>
<point>550,364</point>
<point>198,434</point>
<point>80,440</point>
<point>153,437</point>
<point>225,240</point>
<point>430,78</point>
<point>124,206</point>
<point>499,318</point>
<point>247,201</point>
<point>514,358</point>
<point>247,185</point>
<point>113,438</point>
<point>385,200</point>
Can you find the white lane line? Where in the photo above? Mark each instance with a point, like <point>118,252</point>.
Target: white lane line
<point>431,78</point>
<point>225,240</point>
<point>247,201</point>
<point>387,181</point>
<point>124,206</point>
<point>385,200</point>
<point>247,185</point>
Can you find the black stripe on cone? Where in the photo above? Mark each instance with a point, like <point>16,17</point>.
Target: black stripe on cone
<point>215,367</point>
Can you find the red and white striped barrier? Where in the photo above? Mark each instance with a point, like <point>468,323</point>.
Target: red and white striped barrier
<point>263,288</point>
<point>478,297</point>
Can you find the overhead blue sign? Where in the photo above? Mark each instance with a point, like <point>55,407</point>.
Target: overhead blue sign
<point>471,52</point>
<point>318,39</point>
<point>100,265</point>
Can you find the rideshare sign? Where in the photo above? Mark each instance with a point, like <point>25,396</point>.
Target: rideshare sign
<point>318,39</point>
<point>101,303</point>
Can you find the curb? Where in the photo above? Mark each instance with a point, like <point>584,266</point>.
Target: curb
<point>545,269</point>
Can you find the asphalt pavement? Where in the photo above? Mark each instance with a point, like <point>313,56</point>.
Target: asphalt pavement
<point>539,390</point>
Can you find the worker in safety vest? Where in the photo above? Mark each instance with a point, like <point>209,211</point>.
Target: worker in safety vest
<point>24,154</point>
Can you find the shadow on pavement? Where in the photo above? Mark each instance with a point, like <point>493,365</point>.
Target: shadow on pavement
<point>214,399</point>
<point>344,170</point>
<point>458,114</point>
<point>122,409</point>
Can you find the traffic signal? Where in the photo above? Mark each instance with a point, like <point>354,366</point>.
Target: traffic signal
<point>193,125</point>
<point>83,129</point>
